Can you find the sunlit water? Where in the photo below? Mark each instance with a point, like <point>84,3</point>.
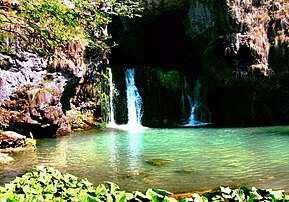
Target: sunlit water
<point>201,158</point>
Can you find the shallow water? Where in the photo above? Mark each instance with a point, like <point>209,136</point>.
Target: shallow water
<point>199,158</point>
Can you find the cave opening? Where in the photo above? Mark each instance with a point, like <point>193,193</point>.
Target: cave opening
<point>154,45</point>
<point>159,41</point>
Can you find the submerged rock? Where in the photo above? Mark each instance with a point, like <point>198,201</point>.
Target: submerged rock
<point>187,170</point>
<point>158,162</point>
<point>137,174</point>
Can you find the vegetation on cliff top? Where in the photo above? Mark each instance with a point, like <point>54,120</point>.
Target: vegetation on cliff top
<point>44,26</point>
<point>49,184</point>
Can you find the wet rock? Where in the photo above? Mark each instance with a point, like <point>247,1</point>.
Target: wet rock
<point>34,109</point>
<point>158,162</point>
<point>187,171</point>
<point>137,174</point>
<point>11,141</point>
<point>83,120</point>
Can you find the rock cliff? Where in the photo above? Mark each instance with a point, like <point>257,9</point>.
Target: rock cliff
<point>236,49</point>
<point>48,98</point>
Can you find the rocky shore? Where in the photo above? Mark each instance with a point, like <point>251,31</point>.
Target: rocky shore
<point>13,142</point>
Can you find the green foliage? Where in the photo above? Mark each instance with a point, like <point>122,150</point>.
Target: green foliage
<point>240,195</point>
<point>42,26</point>
<point>48,184</point>
<point>170,79</point>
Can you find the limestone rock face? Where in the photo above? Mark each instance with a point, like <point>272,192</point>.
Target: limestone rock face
<point>230,26</point>
<point>30,95</point>
<point>200,18</point>
<point>228,46</point>
<point>35,94</point>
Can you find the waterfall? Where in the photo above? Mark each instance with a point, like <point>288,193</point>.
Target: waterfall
<point>111,91</point>
<point>192,121</point>
<point>134,104</point>
<point>134,101</point>
<point>194,104</point>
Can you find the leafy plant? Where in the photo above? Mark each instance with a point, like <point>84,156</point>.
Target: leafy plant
<point>240,195</point>
<point>43,26</point>
<point>49,184</point>
<point>169,79</point>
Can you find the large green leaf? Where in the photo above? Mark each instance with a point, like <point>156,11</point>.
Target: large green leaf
<point>153,196</point>
<point>100,189</point>
<point>275,195</point>
<point>113,188</point>
<point>198,198</point>
<point>162,192</point>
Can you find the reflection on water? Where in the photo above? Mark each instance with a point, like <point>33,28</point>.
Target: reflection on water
<point>135,144</point>
<point>114,156</point>
<point>185,159</point>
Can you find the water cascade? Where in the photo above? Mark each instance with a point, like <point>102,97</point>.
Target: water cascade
<point>192,121</point>
<point>111,91</point>
<point>134,104</point>
<point>134,101</point>
<point>194,104</point>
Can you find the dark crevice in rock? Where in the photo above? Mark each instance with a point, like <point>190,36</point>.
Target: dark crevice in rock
<point>67,94</point>
<point>37,130</point>
<point>167,42</point>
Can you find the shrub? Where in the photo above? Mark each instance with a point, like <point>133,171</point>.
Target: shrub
<point>43,26</point>
<point>49,184</point>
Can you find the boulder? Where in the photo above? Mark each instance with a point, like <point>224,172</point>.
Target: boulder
<point>13,142</point>
<point>10,139</point>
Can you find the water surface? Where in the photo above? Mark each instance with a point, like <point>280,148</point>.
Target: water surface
<point>198,158</point>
